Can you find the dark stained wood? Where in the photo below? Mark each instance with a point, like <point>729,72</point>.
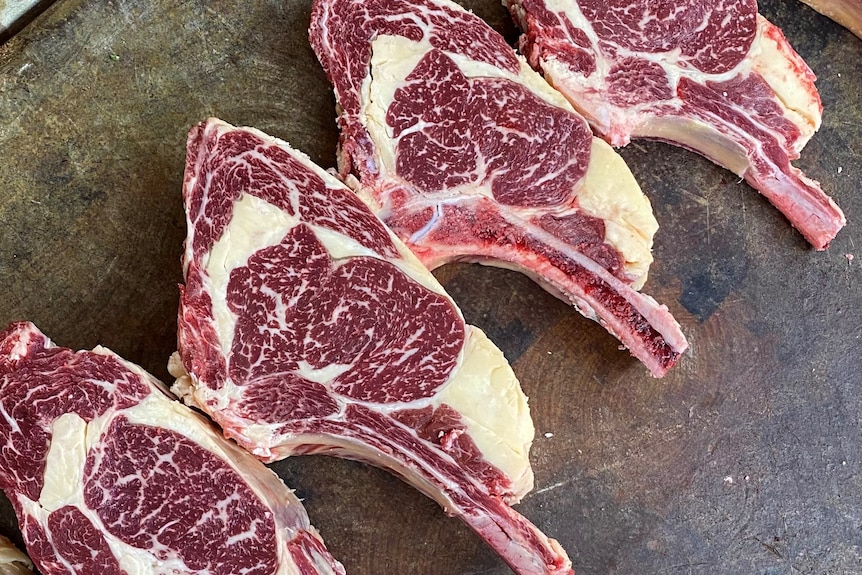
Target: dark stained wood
<point>744,459</point>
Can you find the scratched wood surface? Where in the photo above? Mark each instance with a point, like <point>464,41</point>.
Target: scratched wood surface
<point>744,459</point>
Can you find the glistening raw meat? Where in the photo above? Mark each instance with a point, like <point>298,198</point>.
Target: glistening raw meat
<point>109,475</point>
<point>468,155</point>
<point>305,326</point>
<point>715,77</point>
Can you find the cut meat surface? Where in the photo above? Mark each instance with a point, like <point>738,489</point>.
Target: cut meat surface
<point>12,561</point>
<point>468,155</point>
<point>714,77</point>
<point>848,13</point>
<point>109,474</point>
<point>305,326</point>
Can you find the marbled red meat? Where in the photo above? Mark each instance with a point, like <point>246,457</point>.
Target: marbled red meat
<point>299,334</point>
<point>714,77</point>
<point>467,156</point>
<point>109,474</point>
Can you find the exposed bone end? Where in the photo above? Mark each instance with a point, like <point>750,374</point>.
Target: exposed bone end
<point>817,217</point>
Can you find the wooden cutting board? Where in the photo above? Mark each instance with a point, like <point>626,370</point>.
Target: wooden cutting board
<point>744,459</point>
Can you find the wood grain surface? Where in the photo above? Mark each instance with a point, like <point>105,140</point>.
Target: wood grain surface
<point>745,459</point>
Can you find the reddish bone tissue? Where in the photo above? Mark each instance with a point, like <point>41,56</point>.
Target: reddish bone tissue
<point>109,474</point>
<point>714,77</point>
<point>467,155</point>
<point>307,327</point>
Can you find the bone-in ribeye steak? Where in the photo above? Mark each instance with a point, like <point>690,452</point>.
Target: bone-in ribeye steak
<point>714,77</point>
<point>305,326</point>
<point>109,475</point>
<point>12,561</point>
<point>467,154</point>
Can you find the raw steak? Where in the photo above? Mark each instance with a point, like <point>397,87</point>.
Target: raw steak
<point>715,77</point>
<point>12,561</point>
<point>466,154</point>
<point>848,13</point>
<point>305,326</point>
<point>110,475</point>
